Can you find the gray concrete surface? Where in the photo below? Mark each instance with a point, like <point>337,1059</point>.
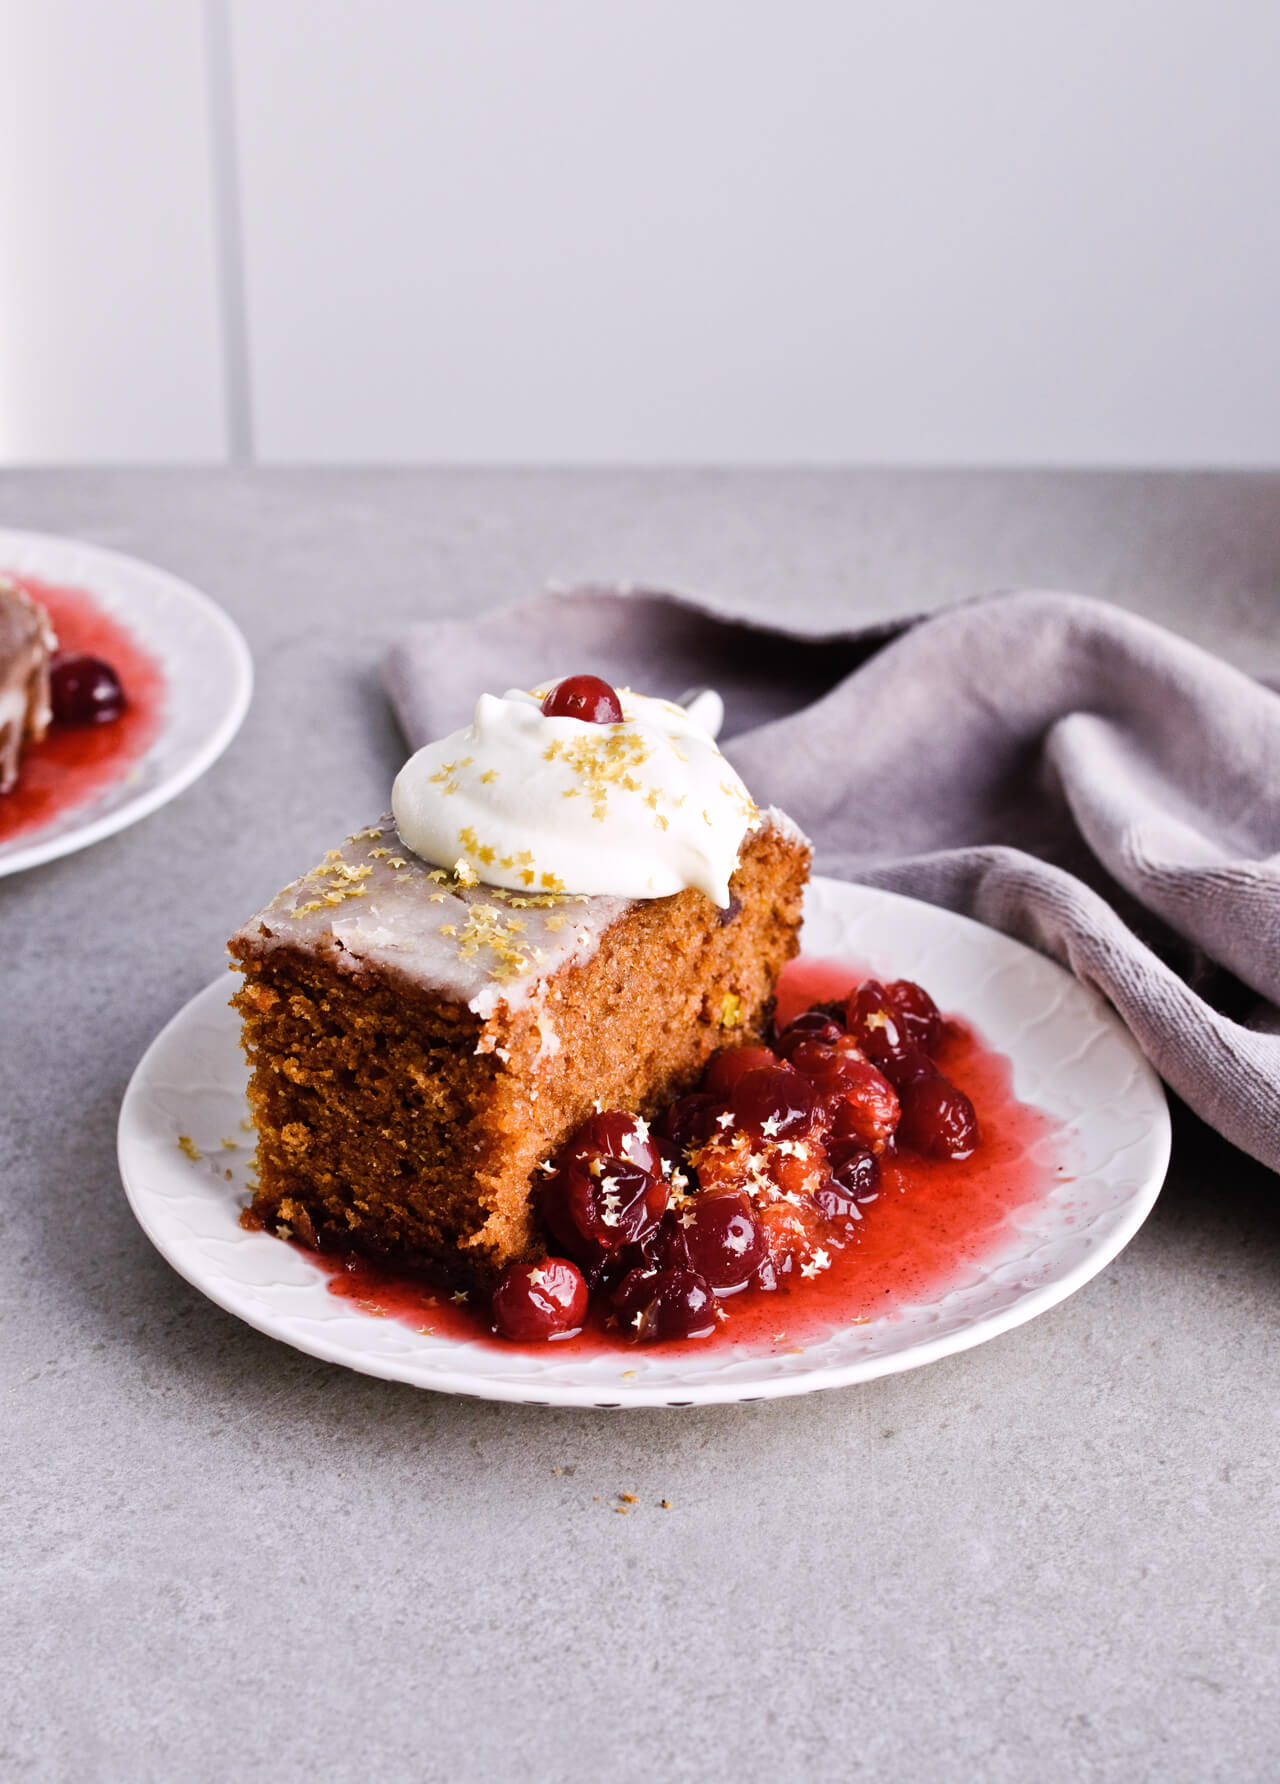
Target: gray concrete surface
<point>1052,1558</point>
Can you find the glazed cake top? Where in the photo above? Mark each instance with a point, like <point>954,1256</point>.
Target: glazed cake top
<point>373,902</point>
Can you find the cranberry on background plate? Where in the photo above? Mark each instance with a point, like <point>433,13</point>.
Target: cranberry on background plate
<point>84,690</point>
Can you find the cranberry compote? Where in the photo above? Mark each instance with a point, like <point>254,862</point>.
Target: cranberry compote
<point>753,1184</point>
<point>725,1069</point>
<point>838,1204</point>
<point>855,1168</point>
<point>584,697</point>
<point>937,1119</point>
<point>774,1103</point>
<point>84,690</point>
<point>867,1107</point>
<point>910,1064</point>
<point>809,1025</point>
<point>875,1023</point>
<point>539,1301</point>
<point>670,1303</point>
<point>618,1206</point>
<point>920,1017</point>
<point>691,1120</point>
<point>722,1240</point>
<point>612,1134</point>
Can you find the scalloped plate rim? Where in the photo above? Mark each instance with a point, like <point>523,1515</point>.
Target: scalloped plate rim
<point>430,1367</point>
<point>26,850</point>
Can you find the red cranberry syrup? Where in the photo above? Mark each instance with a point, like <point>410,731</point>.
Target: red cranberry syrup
<point>76,762</point>
<point>861,1225</point>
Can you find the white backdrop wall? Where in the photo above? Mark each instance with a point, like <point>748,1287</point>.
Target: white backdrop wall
<point>737,231</point>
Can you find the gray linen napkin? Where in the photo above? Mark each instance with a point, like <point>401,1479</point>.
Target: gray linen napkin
<point>1051,765</point>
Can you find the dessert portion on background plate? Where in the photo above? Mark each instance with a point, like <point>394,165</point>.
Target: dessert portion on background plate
<point>575,905</point>
<point>42,685</point>
<point>27,644</point>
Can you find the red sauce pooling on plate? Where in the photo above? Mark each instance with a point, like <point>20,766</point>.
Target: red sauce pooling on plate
<point>74,763</point>
<point>935,1220</point>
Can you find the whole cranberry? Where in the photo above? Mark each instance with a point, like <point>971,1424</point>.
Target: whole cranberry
<point>829,1065</point>
<point>910,1064</point>
<point>691,1120</point>
<point>809,1025</point>
<point>774,1103</point>
<point>855,1168</point>
<point>84,690</point>
<point>920,1016</point>
<point>533,1302</point>
<point>725,1070</point>
<point>612,1134</point>
<point>671,1303</point>
<point>875,1023</point>
<point>867,1106</point>
<point>722,1240</point>
<point>584,697</point>
<point>937,1118</point>
<point>617,1207</point>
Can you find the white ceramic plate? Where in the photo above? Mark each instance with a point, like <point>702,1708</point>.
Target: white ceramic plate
<point>206,666</point>
<point>1070,1056</point>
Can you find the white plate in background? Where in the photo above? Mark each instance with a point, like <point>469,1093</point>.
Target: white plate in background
<point>208,677</point>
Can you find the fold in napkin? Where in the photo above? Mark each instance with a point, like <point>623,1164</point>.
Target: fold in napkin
<point>1055,767</point>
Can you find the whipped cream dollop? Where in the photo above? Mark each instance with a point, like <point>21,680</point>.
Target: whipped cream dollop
<point>536,804</point>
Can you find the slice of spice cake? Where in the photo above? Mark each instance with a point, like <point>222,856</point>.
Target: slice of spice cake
<point>422,1039</point>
